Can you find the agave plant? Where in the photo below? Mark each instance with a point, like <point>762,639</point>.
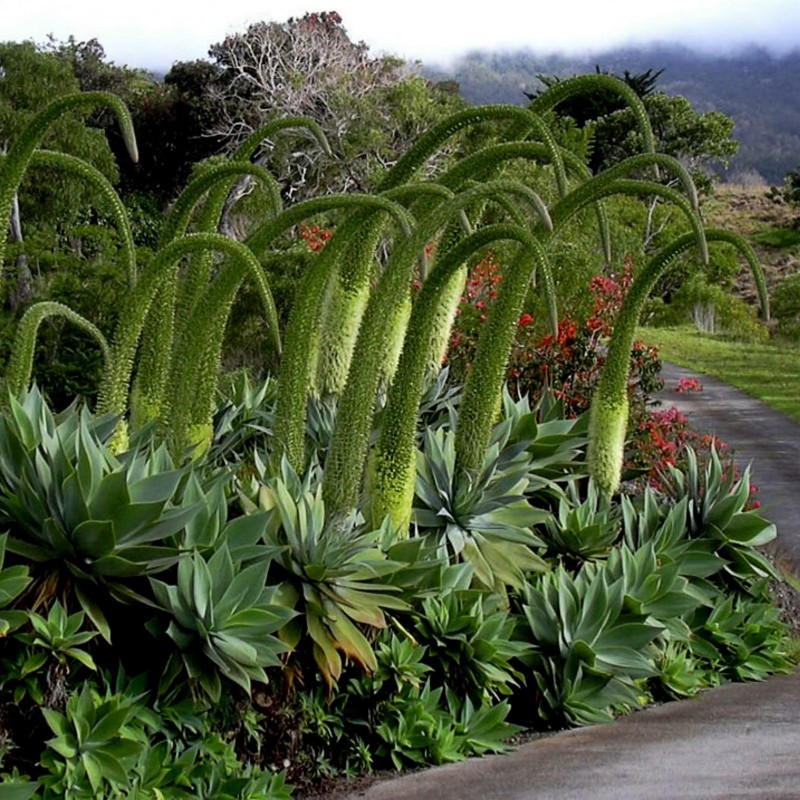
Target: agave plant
<point>470,641</point>
<point>13,582</point>
<point>582,531</point>
<point>680,673</point>
<point>589,652</point>
<point>95,743</point>
<point>483,519</point>
<point>83,517</point>
<point>556,444</point>
<point>717,520</point>
<point>654,588</point>
<point>48,655</point>
<point>739,638</point>
<point>222,618</point>
<point>334,575</point>
<point>433,727</point>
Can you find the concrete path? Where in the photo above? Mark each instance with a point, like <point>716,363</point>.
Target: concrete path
<point>742,740</point>
<point>767,439</point>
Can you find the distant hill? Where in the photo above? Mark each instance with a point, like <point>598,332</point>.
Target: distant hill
<point>760,91</point>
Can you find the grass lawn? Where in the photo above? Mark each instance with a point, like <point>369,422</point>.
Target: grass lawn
<point>770,372</point>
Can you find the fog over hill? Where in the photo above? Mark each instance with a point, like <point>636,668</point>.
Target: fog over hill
<point>760,90</point>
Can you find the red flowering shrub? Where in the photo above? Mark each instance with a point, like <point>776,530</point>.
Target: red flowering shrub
<point>609,291</point>
<point>659,438</point>
<point>568,363</point>
<point>479,294</point>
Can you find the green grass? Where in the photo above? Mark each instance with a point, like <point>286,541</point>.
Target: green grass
<point>770,372</point>
<point>783,238</point>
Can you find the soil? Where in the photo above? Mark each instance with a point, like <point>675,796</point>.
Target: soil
<point>787,598</point>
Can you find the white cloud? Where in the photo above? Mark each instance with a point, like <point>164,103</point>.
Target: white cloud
<point>154,33</point>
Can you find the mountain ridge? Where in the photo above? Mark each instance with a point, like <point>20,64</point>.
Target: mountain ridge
<point>760,90</point>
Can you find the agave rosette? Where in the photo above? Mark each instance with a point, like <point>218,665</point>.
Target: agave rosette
<point>222,618</point>
<point>484,519</point>
<point>85,516</point>
<point>334,573</point>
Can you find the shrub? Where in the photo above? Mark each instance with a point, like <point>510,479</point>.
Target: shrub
<point>566,363</point>
<point>713,310</point>
<point>786,307</point>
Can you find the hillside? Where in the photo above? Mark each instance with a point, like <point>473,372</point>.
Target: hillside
<point>770,227</point>
<point>760,91</point>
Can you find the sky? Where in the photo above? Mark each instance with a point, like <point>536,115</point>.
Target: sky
<point>155,33</point>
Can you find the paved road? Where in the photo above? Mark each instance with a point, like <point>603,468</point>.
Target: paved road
<point>739,741</point>
<point>767,439</point>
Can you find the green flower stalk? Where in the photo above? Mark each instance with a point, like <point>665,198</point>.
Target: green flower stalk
<point>114,392</point>
<point>298,366</point>
<point>211,178</point>
<point>193,380</point>
<point>392,471</point>
<point>104,189</point>
<point>609,409</point>
<point>349,292</point>
<point>749,255</point>
<point>481,166</point>
<point>169,320</point>
<point>247,149</point>
<point>344,466</point>
<point>20,364</point>
<point>449,296</point>
<point>211,212</point>
<point>644,160</point>
<point>299,362</point>
<point>484,385</point>
<point>415,157</point>
<point>218,190</point>
<point>442,324</point>
<point>532,151</point>
<point>346,299</point>
<point>14,165</point>
<point>397,325</point>
<point>465,173</point>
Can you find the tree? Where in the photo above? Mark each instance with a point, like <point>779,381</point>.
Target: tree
<point>173,120</point>
<point>697,140</point>
<point>30,77</point>
<point>370,108</point>
<point>601,102</point>
<point>791,187</point>
<point>95,73</point>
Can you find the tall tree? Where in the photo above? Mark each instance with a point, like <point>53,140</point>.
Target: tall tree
<point>370,107</point>
<point>697,140</point>
<point>30,77</point>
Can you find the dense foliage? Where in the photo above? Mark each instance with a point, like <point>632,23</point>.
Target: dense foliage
<point>361,561</point>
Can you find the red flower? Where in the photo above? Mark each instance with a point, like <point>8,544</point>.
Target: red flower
<point>687,385</point>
